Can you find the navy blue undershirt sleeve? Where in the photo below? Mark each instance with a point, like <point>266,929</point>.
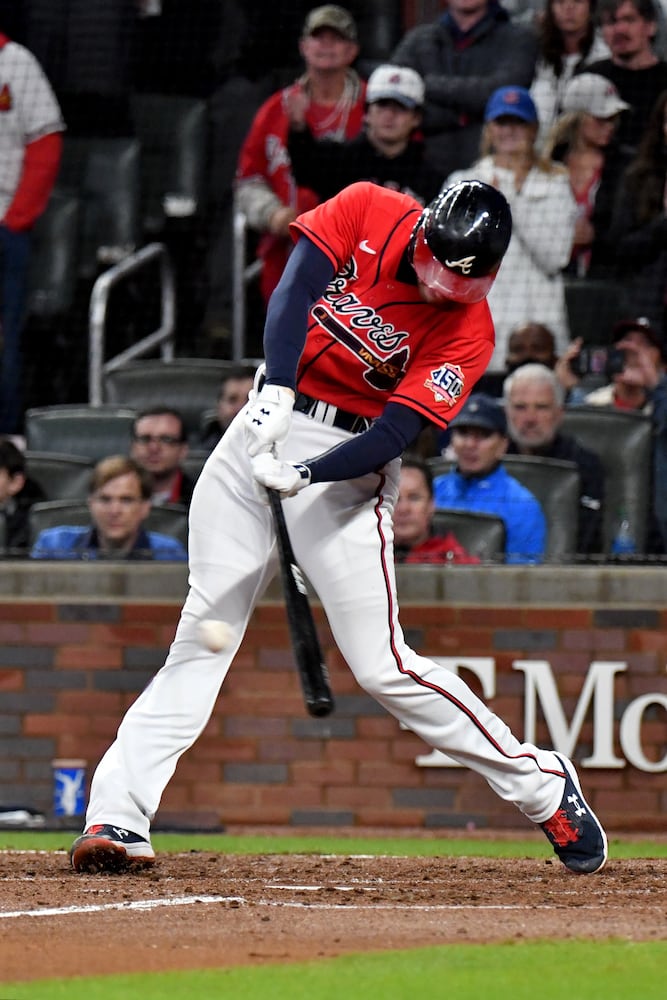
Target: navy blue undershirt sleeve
<point>388,437</point>
<point>307,273</point>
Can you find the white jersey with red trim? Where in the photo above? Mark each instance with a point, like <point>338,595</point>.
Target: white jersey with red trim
<point>371,337</point>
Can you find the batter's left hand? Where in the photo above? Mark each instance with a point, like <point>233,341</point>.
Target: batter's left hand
<point>285,477</point>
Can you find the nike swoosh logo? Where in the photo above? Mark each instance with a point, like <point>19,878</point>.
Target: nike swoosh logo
<point>365,247</point>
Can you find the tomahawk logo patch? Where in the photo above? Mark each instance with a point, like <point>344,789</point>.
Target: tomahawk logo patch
<point>446,383</point>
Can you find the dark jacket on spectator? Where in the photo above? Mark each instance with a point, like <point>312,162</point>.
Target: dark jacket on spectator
<point>591,472</point>
<point>461,71</point>
<point>327,167</point>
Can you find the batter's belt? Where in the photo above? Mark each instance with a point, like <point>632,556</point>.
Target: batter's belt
<point>326,413</point>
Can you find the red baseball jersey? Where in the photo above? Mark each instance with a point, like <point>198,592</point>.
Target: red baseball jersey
<point>371,337</point>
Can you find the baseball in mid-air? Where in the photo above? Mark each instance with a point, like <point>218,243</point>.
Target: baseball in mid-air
<point>216,635</point>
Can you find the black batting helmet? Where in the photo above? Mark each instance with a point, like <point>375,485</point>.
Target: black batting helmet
<point>460,239</point>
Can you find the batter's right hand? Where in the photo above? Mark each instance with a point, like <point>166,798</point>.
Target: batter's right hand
<point>268,419</point>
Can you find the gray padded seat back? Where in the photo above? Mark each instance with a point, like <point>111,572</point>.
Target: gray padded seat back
<point>172,131</point>
<point>54,259</point>
<point>483,535</point>
<point>624,442</point>
<point>104,173</point>
<point>91,431</point>
<point>190,385</point>
<point>61,477</point>
<point>557,486</point>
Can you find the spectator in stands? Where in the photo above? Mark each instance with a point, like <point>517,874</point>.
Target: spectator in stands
<point>529,281</point>
<point>534,343</point>
<point>414,540</point>
<point>119,501</point>
<point>17,495</point>
<point>266,190</point>
<point>643,365</point>
<point>387,151</point>
<point>159,445</point>
<point>464,56</point>
<point>583,141</point>
<point>232,397</point>
<point>480,481</point>
<point>639,225</point>
<point>629,28</point>
<point>534,401</point>
<point>569,41</point>
<point>30,141</point>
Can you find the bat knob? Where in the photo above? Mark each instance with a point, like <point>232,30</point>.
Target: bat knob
<point>321,707</point>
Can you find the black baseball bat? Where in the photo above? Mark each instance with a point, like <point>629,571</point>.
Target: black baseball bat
<point>313,673</point>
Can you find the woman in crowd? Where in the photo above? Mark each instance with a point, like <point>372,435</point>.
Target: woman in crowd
<point>569,40</point>
<point>529,285</point>
<point>583,141</point>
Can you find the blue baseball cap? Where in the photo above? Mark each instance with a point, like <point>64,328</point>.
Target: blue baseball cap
<point>481,410</point>
<point>513,102</point>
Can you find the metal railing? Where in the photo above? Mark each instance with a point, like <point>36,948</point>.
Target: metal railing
<point>242,275</point>
<point>163,337</point>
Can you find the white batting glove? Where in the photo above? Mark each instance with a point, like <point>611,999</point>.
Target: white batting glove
<point>285,477</point>
<point>268,418</point>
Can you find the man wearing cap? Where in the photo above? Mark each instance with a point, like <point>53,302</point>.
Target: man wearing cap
<point>386,152</point>
<point>632,387</point>
<point>629,28</point>
<point>333,95</point>
<point>468,52</point>
<point>480,482</point>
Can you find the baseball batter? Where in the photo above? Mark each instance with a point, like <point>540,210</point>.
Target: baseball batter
<point>378,326</point>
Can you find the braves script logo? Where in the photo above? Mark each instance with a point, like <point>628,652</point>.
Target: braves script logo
<point>360,317</point>
<point>446,383</point>
<point>465,264</point>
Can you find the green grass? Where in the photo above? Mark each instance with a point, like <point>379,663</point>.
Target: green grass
<point>608,970</point>
<point>432,846</point>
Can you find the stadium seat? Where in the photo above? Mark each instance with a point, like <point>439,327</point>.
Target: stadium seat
<point>190,385</point>
<point>624,442</point>
<point>168,519</point>
<point>172,132</point>
<point>557,486</point>
<point>483,535</point>
<point>91,431</point>
<point>104,174</point>
<point>593,306</point>
<point>193,462</point>
<point>61,477</point>
<point>54,258</point>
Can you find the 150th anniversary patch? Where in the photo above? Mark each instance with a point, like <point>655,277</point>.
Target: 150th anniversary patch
<point>446,383</point>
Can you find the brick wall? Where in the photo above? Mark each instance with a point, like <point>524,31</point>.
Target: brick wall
<point>70,668</point>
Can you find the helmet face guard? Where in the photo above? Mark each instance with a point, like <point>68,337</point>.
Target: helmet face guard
<point>446,283</point>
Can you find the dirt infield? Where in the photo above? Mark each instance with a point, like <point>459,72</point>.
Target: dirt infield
<point>209,910</point>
